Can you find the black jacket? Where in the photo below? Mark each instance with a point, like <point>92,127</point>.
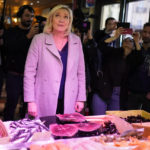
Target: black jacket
<point>114,66</point>
<point>139,80</point>
<point>101,36</point>
<point>16,45</point>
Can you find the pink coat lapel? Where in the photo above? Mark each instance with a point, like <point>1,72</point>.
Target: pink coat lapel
<point>49,41</point>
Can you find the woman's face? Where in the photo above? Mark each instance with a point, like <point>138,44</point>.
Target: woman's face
<point>61,20</point>
<point>128,43</point>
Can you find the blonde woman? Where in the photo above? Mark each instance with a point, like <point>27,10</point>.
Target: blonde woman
<point>54,76</point>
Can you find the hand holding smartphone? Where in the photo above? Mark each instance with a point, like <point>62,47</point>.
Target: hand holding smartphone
<point>126,26</point>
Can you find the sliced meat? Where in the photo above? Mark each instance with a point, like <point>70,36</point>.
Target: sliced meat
<point>66,130</point>
<point>74,117</point>
<point>88,126</point>
<point>3,131</point>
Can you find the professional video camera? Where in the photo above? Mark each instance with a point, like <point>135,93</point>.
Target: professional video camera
<point>40,20</point>
<point>80,21</point>
<point>83,26</point>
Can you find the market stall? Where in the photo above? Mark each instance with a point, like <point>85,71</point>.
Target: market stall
<point>73,132</point>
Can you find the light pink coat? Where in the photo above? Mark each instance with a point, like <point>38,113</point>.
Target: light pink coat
<point>43,72</point>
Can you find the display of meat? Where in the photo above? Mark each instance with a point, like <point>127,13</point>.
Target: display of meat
<point>3,131</point>
<point>88,126</point>
<point>74,117</point>
<point>109,128</point>
<point>67,130</point>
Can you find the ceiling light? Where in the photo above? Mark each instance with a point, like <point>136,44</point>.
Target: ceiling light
<point>25,3</point>
<point>38,2</point>
<point>15,20</point>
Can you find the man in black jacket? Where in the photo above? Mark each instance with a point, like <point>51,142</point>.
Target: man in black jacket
<point>101,35</point>
<point>139,82</point>
<point>17,42</point>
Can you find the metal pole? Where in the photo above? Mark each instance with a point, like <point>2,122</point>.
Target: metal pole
<point>122,15</point>
<point>123,5</point>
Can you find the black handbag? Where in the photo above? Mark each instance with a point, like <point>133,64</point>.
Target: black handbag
<point>102,84</point>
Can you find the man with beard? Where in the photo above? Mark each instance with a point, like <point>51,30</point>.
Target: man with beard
<point>139,80</point>
<point>17,42</point>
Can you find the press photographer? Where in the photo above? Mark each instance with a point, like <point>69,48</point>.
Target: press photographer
<point>80,22</point>
<point>41,22</point>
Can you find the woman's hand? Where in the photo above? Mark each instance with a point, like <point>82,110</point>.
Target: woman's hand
<point>136,37</point>
<point>79,106</point>
<point>32,109</point>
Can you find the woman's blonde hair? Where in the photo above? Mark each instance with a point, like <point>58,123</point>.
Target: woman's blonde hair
<point>49,23</point>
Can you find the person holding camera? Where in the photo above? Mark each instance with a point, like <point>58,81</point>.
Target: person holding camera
<point>41,22</point>
<point>17,42</point>
<point>107,32</point>
<point>54,76</point>
<point>109,78</point>
<point>139,81</point>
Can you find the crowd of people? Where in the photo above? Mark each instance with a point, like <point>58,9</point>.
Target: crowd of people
<point>119,76</point>
<point>55,71</point>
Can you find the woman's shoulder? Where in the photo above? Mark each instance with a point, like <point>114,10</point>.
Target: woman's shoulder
<point>40,35</point>
<point>74,36</point>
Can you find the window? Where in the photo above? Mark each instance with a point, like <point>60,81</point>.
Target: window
<point>138,14</point>
<point>109,11</point>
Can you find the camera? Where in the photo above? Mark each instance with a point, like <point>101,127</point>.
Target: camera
<point>83,26</point>
<point>41,22</point>
<point>123,24</point>
<point>80,21</point>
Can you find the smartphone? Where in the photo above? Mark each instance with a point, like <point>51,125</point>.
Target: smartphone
<point>128,31</point>
<point>123,24</point>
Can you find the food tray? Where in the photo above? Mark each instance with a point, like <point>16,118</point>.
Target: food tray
<point>125,114</point>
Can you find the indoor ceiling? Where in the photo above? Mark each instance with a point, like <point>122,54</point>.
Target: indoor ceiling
<point>39,5</point>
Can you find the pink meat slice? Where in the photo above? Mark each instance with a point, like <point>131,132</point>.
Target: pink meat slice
<point>67,130</point>
<point>74,117</point>
<point>88,126</point>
